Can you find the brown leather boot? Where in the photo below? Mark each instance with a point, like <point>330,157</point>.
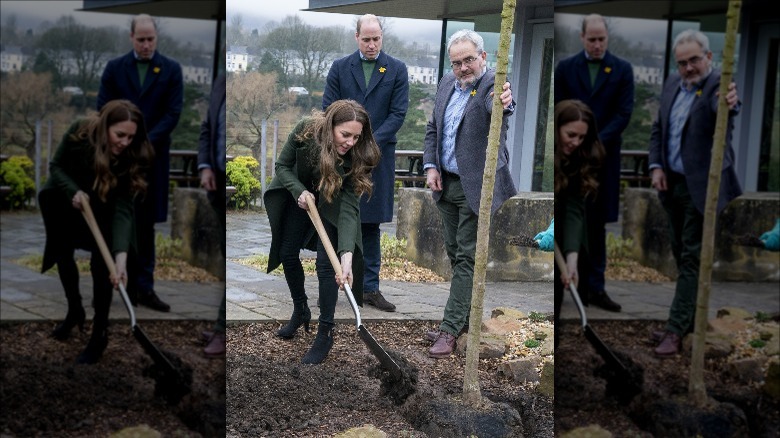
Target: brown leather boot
<point>669,346</point>
<point>431,335</point>
<point>443,347</point>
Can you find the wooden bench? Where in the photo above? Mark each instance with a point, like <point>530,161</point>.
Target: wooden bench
<point>637,175</point>
<point>184,168</point>
<point>414,175</point>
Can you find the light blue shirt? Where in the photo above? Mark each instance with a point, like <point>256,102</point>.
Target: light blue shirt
<point>681,108</point>
<point>452,117</point>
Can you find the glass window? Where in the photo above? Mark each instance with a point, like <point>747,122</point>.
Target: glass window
<point>545,149</point>
<point>769,162</point>
<point>714,27</point>
<point>488,27</point>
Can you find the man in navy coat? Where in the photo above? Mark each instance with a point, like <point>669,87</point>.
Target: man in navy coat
<point>154,84</point>
<point>380,83</point>
<point>605,83</point>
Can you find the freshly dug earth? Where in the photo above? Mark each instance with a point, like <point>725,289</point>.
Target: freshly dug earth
<point>44,393</point>
<point>271,394</point>
<point>580,398</point>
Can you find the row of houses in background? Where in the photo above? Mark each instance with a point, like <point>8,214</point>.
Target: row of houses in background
<point>196,70</point>
<point>239,60</point>
<point>422,70</point>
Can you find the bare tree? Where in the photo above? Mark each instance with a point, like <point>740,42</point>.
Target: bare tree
<point>251,98</point>
<point>235,31</point>
<point>77,51</point>
<point>28,97</point>
<point>696,387</point>
<point>305,51</point>
<point>471,391</point>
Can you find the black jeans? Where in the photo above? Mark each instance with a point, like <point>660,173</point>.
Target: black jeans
<point>294,230</point>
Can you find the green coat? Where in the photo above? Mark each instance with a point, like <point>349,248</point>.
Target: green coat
<point>570,231</point>
<point>297,169</point>
<point>71,169</point>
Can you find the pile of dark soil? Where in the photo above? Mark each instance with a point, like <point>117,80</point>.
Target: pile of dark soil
<point>44,393</point>
<point>581,394</point>
<point>271,394</point>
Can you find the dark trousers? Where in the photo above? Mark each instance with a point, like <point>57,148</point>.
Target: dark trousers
<point>460,241</point>
<point>593,267</point>
<point>685,228</point>
<point>140,269</point>
<point>326,275</point>
<point>217,199</point>
<point>372,256</point>
<point>558,300</point>
<point>294,230</point>
<point>102,288</point>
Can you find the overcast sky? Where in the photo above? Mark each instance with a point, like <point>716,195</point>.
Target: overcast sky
<point>29,14</point>
<point>256,13</point>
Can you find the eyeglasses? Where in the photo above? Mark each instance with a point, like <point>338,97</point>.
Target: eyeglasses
<point>467,61</point>
<point>692,61</point>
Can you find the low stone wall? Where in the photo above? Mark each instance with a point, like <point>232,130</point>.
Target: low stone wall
<point>526,213</point>
<point>645,222</point>
<point>195,222</point>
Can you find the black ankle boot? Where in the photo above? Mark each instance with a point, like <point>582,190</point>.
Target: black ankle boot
<point>321,347</point>
<point>300,316</point>
<point>97,344</point>
<point>75,316</point>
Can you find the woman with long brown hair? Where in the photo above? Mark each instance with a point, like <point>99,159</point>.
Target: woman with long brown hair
<point>328,157</point>
<point>102,160</point>
<point>578,158</point>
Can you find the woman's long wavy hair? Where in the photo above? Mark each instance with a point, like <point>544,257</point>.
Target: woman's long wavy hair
<point>364,154</point>
<point>137,157</point>
<point>584,163</point>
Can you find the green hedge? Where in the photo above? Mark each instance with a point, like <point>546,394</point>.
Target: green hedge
<point>242,173</point>
<point>17,172</point>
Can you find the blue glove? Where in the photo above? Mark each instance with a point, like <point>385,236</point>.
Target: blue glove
<point>772,238</point>
<point>546,238</point>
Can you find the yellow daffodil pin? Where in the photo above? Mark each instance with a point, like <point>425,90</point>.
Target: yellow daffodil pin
<point>473,92</point>
<point>382,69</point>
<point>156,70</point>
<point>698,92</point>
<point>607,70</point>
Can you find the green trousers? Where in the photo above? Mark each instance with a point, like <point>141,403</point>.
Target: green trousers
<point>685,228</point>
<point>460,240</point>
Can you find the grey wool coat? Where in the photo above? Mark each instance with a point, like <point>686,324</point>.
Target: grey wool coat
<point>697,140</point>
<point>471,142</point>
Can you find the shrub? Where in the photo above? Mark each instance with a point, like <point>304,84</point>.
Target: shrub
<point>617,247</point>
<point>167,247</point>
<point>242,174</point>
<point>17,172</point>
<point>757,343</point>
<point>532,343</point>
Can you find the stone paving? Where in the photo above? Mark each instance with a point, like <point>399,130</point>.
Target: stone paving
<point>257,296</point>
<point>27,295</point>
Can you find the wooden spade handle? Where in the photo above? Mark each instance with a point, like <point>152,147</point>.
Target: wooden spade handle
<point>86,210</point>
<point>314,215</point>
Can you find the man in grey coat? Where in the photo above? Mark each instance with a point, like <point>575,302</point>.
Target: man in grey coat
<point>679,159</point>
<point>454,163</point>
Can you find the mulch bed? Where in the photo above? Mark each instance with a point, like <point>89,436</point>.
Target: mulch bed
<point>580,395</point>
<point>271,394</point>
<point>44,393</point>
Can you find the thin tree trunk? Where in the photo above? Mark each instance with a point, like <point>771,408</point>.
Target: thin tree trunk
<point>696,387</point>
<point>471,391</point>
